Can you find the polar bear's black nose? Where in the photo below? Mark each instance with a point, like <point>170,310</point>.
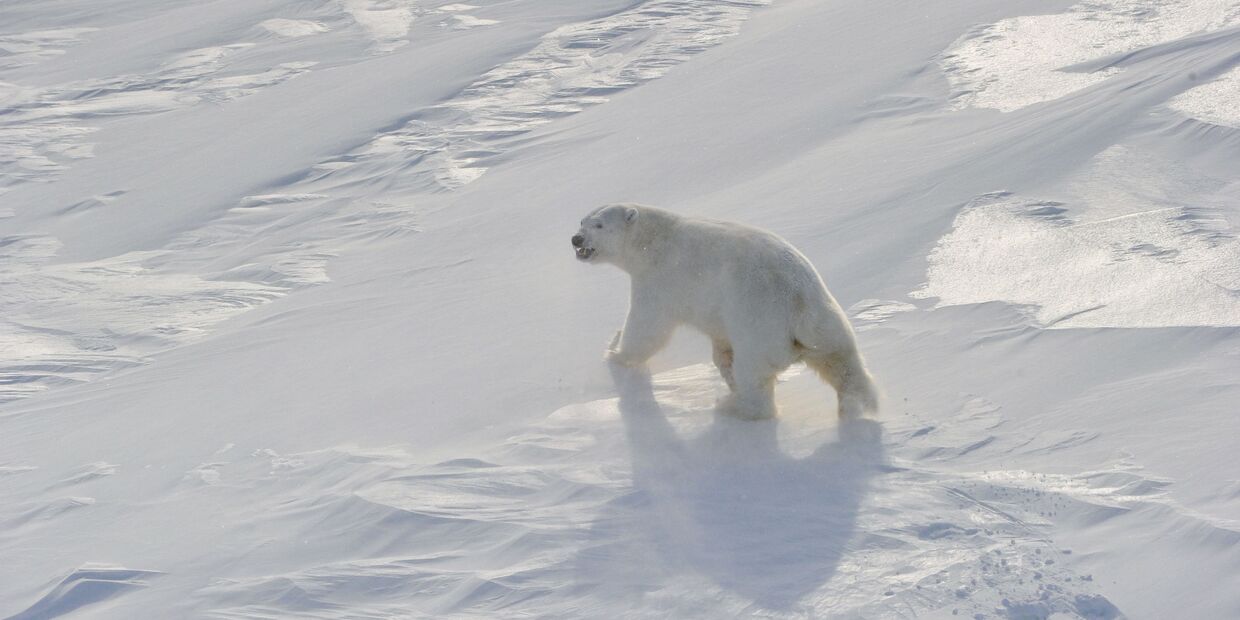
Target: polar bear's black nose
<point>578,240</point>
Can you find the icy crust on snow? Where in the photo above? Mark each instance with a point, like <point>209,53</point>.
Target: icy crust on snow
<point>1142,242</point>
<point>1216,102</point>
<point>213,273</point>
<point>1025,60</point>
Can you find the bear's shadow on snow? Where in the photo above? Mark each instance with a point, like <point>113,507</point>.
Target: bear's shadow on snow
<point>730,505</point>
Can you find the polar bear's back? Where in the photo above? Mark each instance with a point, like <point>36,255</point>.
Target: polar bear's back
<point>729,269</point>
<point>750,255</point>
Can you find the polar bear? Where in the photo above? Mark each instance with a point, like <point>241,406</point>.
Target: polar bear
<point>756,297</point>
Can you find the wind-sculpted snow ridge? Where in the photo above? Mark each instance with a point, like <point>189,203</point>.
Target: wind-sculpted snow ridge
<point>367,194</point>
<point>45,129</point>
<point>123,309</point>
<point>145,302</point>
<point>1030,59</point>
<point>650,504</point>
<point>1141,242</point>
<point>88,585</point>
<point>574,67</point>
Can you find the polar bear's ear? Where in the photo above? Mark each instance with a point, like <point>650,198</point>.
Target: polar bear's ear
<point>630,214</point>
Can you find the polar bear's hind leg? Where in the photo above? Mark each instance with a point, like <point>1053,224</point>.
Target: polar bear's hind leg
<point>854,387</point>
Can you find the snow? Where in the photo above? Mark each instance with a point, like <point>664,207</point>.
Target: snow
<point>293,27</point>
<point>291,326</point>
<point>1151,251</point>
<point>1216,102</point>
<point>1025,60</point>
<point>385,21</point>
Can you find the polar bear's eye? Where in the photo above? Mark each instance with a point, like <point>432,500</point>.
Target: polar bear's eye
<point>598,225</point>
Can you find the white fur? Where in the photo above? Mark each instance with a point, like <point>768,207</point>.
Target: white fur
<point>759,300</point>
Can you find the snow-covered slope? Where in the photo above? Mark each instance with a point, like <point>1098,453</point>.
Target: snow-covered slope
<point>290,325</point>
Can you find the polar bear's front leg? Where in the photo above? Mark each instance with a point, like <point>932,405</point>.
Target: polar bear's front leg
<point>645,332</point>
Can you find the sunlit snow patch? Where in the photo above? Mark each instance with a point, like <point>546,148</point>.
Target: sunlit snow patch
<point>291,28</point>
<point>1216,102</point>
<point>28,48</point>
<point>459,21</point>
<point>469,21</point>
<point>1021,61</point>
<point>1128,254</point>
<point>386,22</point>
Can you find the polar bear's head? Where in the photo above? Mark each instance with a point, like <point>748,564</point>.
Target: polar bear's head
<point>603,232</point>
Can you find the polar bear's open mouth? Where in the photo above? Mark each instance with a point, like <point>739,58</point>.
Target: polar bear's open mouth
<point>584,253</point>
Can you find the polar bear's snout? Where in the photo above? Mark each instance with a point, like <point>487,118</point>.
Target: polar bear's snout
<point>583,252</point>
